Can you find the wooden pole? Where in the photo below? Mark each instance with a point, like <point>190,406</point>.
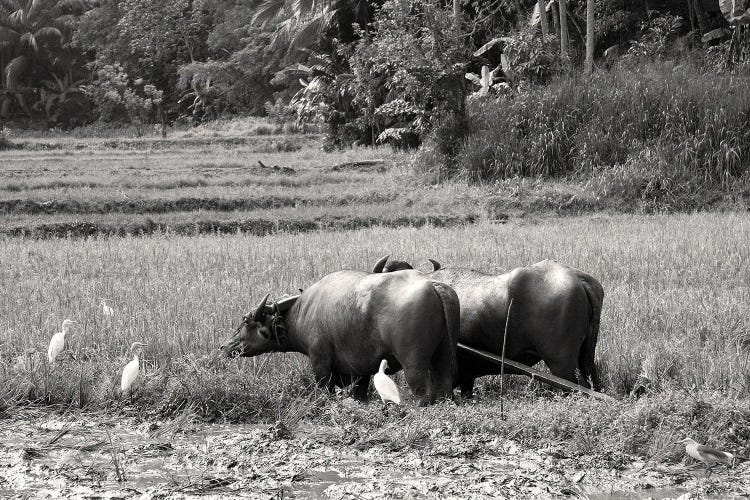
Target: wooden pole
<point>502,360</point>
<point>589,66</point>
<point>546,378</point>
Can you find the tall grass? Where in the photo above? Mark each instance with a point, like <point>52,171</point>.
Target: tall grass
<point>656,132</point>
<point>676,308</point>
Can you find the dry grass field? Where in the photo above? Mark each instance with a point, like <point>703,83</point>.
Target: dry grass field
<point>184,237</point>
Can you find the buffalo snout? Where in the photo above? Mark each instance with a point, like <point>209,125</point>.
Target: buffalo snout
<point>232,347</point>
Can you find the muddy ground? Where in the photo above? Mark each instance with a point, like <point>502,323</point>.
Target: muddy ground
<point>98,456</point>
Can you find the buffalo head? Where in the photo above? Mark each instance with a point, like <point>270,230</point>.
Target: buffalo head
<point>386,266</point>
<point>255,335</point>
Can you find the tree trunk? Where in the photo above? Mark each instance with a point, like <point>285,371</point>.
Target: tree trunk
<point>589,66</point>
<point>519,19</point>
<point>457,10</point>
<point>563,29</point>
<point>556,20</point>
<point>541,5</point>
<point>691,15</point>
<point>700,15</point>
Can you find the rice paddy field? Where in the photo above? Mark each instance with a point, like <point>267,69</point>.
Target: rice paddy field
<point>182,236</point>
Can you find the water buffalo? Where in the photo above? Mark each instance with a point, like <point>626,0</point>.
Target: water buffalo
<point>554,317</point>
<point>350,320</point>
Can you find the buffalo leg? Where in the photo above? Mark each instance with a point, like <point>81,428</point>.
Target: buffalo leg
<point>361,386</point>
<point>323,375</point>
<point>418,378</point>
<point>467,388</point>
<point>566,367</point>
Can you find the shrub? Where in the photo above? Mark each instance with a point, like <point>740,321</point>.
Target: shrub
<point>533,58</point>
<point>120,98</point>
<point>676,128</point>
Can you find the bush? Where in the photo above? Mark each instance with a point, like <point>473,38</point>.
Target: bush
<point>679,128</point>
<point>120,98</point>
<point>407,72</point>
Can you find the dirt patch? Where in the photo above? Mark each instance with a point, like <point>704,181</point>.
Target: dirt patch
<point>95,455</point>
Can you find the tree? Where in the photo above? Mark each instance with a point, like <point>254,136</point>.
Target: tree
<point>542,8</point>
<point>151,40</point>
<point>302,22</point>
<point>31,31</point>
<point>589,66</point>
<point>564,29</point>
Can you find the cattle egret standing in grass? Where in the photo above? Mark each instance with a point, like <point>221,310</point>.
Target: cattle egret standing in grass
<point>130,373</point>
<point>385,386</point>
<point>709,456</point>
<point>106,310</point>
<point>57,344</point>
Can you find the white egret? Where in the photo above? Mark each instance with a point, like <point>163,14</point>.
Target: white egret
<point>57,343</point>
<point>385,386</point>
<point>106,310</point>
<point>130,372</point>
<point>709,456</point>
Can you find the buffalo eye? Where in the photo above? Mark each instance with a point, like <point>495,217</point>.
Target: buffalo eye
<point>263,331</point>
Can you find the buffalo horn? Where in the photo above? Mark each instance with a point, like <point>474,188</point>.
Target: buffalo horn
<point>435,265</point>
<point>379,265</point>
<point>260,312</point>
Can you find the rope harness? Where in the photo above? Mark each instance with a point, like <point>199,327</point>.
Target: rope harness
<point>277,325</point>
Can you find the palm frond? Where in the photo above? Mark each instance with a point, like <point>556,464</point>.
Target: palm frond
<point>301,8</point>
<point>283,34</point>
<point>78,6</point>
<point>14,71</point>
<point>9,35</point>
<point>33,8</point>
<point>48,32</point>
<point>268,10</point>
<point>17,17</point>
<point>310,32</point>
<point>30,40</point>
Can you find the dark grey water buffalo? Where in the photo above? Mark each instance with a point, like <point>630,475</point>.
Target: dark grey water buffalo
<point>350,320</point>
<point>554,317</point>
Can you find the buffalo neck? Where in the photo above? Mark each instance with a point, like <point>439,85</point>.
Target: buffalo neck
<point>294,342</point>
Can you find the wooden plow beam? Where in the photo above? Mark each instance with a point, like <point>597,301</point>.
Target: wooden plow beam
<point>546,378</point>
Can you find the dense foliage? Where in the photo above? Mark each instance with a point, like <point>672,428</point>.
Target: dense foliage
<point>370,71</point>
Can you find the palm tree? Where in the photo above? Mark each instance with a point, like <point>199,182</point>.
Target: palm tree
<point>29,28</point>
<point>305,20</point>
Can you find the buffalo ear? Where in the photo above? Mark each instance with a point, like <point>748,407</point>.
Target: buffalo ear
<point>260,311</point>
<point>435,265</point>
<point>379,265</point>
